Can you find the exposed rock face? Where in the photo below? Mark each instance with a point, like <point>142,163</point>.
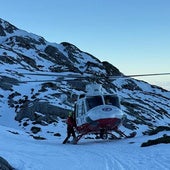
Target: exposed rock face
<point>6,27</point>
<point>110,69</point>
<point>4,165</point>
<point>31,109</point>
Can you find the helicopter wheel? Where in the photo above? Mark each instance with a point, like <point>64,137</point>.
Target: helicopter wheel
<point>103,134</point>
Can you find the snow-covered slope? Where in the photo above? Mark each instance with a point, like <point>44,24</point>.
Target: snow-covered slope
<point>25,153</point>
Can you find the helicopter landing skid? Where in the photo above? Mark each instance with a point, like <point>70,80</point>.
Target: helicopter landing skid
<point>106,134</point>
<point>123,135</point>
<point>78,138</point>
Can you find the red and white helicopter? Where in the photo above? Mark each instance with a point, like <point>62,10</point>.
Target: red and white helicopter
<point>100,113</point>
<point>96,112</point>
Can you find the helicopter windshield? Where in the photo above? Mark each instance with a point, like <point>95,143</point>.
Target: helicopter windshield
<point>112,100</point>
<point>93,102</point>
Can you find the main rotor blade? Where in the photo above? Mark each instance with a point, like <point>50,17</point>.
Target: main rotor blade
<point>138,75</point>
<point>64,74</point>
<point>69,76</point>
<point>152,74</point>
<point>36,81</point>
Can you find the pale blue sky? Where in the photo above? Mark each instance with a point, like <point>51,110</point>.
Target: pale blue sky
<point>133,35</point>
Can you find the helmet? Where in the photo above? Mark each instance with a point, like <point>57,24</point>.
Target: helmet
<point>70,114</point>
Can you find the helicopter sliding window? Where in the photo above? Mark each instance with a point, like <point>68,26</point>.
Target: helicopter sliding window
<point>80,108</point>
<point>93,102</point>
<point>112,100</point>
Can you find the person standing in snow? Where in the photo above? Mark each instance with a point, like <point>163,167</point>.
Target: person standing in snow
<point>70,127</point>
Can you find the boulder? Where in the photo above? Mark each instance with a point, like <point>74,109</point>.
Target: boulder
<point>4,165</point>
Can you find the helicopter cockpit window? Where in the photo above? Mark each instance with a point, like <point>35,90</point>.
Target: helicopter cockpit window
<point>111,100</point>
<point>93,101</point>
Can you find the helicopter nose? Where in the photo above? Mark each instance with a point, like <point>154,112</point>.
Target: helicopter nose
<point>104,112</point>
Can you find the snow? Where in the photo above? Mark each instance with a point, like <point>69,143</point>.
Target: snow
<point>26,153</point>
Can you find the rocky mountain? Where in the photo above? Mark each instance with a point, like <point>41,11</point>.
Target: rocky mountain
<point>26,96</point>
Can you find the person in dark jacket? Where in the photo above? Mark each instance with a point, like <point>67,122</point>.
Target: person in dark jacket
<point>70,127</point>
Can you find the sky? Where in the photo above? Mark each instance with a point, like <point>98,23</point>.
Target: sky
<point>133,35</point>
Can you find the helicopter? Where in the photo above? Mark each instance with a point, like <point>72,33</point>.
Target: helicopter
<point>96,112</point>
